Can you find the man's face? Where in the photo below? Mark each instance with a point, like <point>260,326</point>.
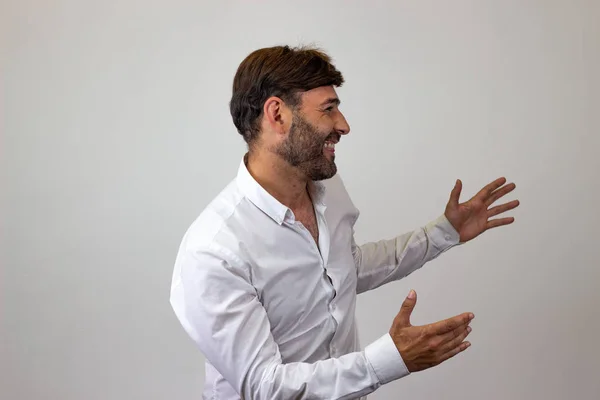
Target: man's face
<point>317,125</point>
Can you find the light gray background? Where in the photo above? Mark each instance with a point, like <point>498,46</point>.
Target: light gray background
<point>116,133</point>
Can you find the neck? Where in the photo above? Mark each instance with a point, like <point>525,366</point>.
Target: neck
<point>277,177</point>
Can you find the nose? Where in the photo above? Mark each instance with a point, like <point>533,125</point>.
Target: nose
<point>341,125</point>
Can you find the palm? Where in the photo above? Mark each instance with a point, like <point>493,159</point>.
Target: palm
<point>473,217</point>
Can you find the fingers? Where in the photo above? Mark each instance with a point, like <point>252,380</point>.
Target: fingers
<point>502,208</point>
<point>452,335</point>
<point>494,223</point>
<point>403,317</point>
<point>490,187</point>
<point>448,325</point>
<point>456,341</point>
<point>454,344</point>
<point>494,196</point>
<point>451,353</point>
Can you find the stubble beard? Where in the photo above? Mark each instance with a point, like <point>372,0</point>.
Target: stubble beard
<point>303,149</point>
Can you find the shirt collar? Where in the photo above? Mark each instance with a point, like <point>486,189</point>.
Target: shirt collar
<point>266,202</point>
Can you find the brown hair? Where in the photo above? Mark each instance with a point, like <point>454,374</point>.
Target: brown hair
<point>276,71</point>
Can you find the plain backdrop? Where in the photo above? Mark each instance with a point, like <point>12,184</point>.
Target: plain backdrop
<point>116,133</point>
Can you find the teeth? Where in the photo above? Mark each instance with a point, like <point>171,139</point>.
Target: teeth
<point>329,145</point>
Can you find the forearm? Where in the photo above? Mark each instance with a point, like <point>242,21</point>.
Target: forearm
<point>219,309</point>
<point>385,261</point>
<point>347,377</point>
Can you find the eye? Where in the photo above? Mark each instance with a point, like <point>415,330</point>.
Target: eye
<point>328,109</point>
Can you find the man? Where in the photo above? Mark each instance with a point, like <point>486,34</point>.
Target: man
<point>266,278</point>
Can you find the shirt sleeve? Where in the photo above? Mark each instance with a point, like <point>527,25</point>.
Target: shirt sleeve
<point>218,307</point>
<point>385,261</point>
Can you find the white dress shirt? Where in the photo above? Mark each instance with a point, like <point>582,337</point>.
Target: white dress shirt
<point>273,314</point>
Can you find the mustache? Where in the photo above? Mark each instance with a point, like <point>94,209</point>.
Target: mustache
<point>334,137</point>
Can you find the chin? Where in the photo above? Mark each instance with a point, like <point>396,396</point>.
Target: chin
<point>324,173</point>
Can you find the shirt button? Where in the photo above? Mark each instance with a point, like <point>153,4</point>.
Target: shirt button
<point>448,237</point>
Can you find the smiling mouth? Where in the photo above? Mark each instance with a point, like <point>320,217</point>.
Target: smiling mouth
<point>329,146</point>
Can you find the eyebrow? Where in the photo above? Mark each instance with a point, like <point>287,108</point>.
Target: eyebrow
<point>331,100</point>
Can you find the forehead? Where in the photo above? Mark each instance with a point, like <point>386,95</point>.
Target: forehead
<point>317,96</point>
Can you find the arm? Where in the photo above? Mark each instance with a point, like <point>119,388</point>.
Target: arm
<point>218,307</point>
<point>388,260</point>
<point>385,261</point>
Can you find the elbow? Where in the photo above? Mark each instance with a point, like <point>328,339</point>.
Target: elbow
<point>270,382</point>
<point>258,382</point>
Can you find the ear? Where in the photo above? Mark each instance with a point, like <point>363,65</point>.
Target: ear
<point>277,115</point>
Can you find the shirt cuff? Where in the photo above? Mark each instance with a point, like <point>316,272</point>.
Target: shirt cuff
<point>442,234</point>
<point>384,357</point>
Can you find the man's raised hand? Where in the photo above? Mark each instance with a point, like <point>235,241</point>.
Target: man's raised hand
<point>475,216</point>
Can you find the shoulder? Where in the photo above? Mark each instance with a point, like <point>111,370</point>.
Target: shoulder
<point>209,244</point>
<point>216,228</point>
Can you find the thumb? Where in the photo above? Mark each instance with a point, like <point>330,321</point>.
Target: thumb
<point>455,194</point>
<point>407,307</point>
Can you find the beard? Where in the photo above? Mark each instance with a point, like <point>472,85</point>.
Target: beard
<point>304,149</point>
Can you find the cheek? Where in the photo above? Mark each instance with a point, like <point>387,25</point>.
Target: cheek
<point>328,122</point>
<point>326,126</point>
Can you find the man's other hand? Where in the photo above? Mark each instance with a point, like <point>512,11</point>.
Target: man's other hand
<point>426,346</point>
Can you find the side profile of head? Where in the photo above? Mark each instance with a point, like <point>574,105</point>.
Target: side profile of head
<point>284,103</point>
